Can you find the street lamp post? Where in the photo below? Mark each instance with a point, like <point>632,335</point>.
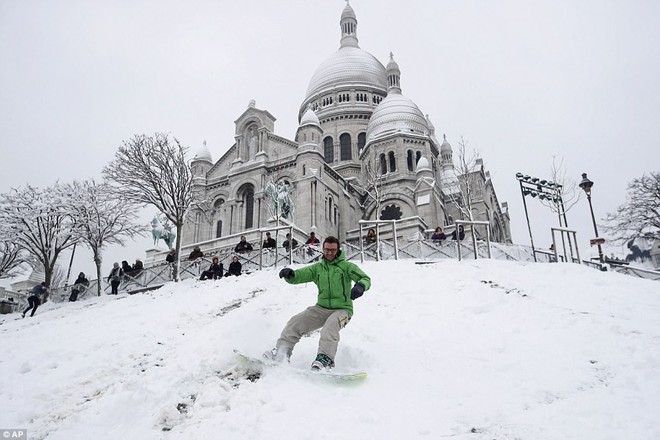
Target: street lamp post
<point>586,185</point>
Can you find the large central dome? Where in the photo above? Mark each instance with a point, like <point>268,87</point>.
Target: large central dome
<point>347,66</point>
<point>349,69</point>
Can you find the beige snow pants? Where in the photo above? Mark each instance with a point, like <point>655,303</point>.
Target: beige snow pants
<point>330,321</point>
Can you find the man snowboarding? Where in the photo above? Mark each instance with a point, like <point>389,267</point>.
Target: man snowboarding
<point>334,307</point>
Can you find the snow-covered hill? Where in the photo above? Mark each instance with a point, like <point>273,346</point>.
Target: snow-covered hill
<point>463,350</point>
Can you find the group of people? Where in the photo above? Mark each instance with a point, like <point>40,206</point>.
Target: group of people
<point>244,246</point>
<point>216,269</point>
<point>270,243</point>
<point>439,235</point>
<point>39,292</point>
<point>118,273</point>
<point>133,270</point>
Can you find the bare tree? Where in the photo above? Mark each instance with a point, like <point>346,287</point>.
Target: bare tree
<point>372,186</point>
<point>563,194</point>
<point>101,219</point>
<point>465,188</point>
<point>12,258</point>
<point>39,222</point>
<point>374,175</point>
<point>153,170</point>
<point>640,215</point>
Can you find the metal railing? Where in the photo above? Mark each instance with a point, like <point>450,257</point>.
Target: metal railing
<point>636,271</point>
<point>390,248</point>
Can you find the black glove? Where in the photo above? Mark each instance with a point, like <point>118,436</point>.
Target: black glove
<point>287,273</point>
<point>357,291</point>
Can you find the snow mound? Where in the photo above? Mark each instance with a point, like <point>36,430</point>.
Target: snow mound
<point>463,350</point>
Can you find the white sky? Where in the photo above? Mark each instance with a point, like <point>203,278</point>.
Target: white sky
<point>521,81</point>
<point>496,350</point>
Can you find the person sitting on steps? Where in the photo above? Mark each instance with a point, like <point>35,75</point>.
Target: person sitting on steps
<point>234,267</point>
<point>215,270</point>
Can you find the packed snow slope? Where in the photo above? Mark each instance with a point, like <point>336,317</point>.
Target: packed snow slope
<point>469,350</point>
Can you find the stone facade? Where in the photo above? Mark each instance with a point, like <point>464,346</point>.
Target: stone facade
<point>363,151</point>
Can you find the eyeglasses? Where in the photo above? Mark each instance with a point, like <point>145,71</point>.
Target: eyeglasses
<point>331,251</point>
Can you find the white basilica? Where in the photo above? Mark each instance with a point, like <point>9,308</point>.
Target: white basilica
<point>363,151</point>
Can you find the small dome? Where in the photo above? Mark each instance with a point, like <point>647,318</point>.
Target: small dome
<point>396,113</point>
<point>445,147</point>
<point>423,164</point>
<point>310,118</point>
<point>204,154</point>
<point>393,65</point>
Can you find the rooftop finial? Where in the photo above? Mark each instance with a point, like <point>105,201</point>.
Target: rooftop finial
<point>391,54</point>
<point>348,24</point>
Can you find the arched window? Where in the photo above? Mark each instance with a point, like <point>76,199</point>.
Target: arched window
<point>392,162</point>
<point>328,149</point>
<point>328,212</point>
<point>246,194</point>
<point>418,156</point>
<point>249,209</point>
<point>383,164</point>
<point>345,146</point>
<point>216,207</point>
<point>410,160</point>
<point>362,140</point>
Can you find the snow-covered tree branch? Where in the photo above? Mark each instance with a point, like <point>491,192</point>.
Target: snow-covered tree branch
<point>39,222</point>
<point>640,215</point>
<point>153,170</point>
<point>12,258</point>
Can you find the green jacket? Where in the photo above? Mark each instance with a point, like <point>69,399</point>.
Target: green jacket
<point>333,279</point>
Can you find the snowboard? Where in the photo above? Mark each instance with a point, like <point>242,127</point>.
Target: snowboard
<point>256,366</point>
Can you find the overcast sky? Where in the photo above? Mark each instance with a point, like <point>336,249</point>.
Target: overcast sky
<point>522,81</point>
